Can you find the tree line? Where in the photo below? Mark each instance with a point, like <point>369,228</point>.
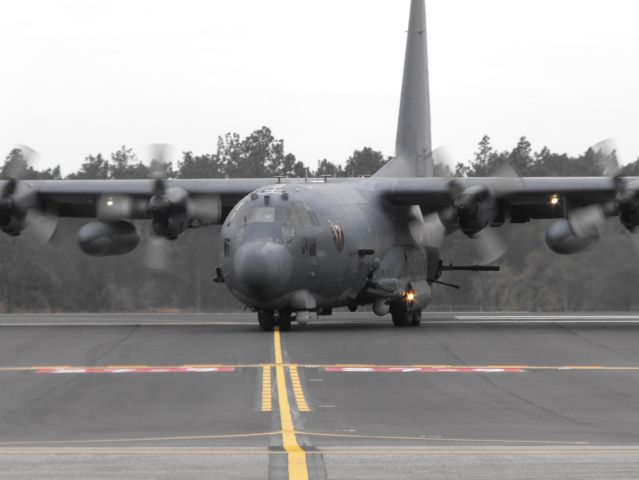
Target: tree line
<point>58,277</point>
<point>258,155</point>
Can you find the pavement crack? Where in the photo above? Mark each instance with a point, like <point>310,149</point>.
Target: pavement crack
<point>68,379</point>
<point>597,344</point>
<point>116,344</point>
<point>447,349</point>
<point>487,379</point>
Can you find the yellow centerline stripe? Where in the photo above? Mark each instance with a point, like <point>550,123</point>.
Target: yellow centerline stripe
<point>298,391</point>
<point>297,468</point>
<point>267,402</point>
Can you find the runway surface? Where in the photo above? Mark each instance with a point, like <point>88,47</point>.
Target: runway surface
<point>211,396</point>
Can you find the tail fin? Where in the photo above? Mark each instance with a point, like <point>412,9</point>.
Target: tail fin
<point>413,144</point>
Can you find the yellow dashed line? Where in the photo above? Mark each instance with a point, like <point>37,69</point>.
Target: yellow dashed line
<point>297,468</point>
<point>267,402</point>
<point>302,406</point>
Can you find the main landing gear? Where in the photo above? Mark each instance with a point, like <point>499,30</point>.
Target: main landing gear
<point>402,316</point>
<point>268,319</point>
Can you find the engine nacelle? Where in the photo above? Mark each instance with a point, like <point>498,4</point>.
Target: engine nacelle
<point>100,239</point>
<point>476,209</point>
<point>561,239</point>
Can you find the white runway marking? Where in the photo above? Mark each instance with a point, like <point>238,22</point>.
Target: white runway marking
<point>244,319</point>
<point>136,370</point>
<point>547,317</point>
<point>54,323</point>
<point>542,319</point>
<point>426,369</point>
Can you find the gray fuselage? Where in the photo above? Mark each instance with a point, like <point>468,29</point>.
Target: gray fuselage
<point>316,246</point>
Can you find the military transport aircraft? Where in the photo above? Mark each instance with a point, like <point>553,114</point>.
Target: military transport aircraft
<point>292,249</point>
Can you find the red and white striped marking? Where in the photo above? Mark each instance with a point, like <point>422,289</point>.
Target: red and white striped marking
<point>425,369</point>
<point>136,369</point>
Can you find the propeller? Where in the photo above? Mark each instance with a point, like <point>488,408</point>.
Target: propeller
<point>172,209</point>
<point>472,210</point>
<point>19,206</point>
<point>156,253</point>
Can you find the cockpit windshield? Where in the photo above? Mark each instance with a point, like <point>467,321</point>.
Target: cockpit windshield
<point>298,214</point>
<point>259,214</point>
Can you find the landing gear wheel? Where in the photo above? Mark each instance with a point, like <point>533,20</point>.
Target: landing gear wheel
<point>415,318</point>
<point>285,320</point>
<point>266,319</point>
<point>401,316</point>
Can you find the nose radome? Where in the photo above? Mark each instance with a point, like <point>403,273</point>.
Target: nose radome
<point>263,269</point>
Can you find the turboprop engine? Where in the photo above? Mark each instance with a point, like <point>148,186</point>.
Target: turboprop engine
<point>101,239</point>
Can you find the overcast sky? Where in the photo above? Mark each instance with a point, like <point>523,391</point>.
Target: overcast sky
<point>86,76</point>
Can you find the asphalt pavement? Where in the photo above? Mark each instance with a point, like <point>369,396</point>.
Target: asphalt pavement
<point>464,395</point>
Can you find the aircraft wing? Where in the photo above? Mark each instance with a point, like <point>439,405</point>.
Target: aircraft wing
<point>522,198</point>
<point>81,198</point>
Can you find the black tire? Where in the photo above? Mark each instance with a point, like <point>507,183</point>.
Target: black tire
<point>401,316</point>
<point>266,320</point>
<point>415,318</point>
<point>285,320</point>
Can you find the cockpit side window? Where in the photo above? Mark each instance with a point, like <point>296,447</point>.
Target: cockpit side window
<point>305,215</point>
<point>288,216</point>
<point>308,247</point>
<point>233,213</point>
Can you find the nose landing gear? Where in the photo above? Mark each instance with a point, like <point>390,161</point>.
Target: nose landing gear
<point>284,319</point>
<point>402,316</point>
<point>267,319</point>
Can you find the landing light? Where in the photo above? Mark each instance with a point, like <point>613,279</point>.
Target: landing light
<point>409,296</point>
<point>554,200</point>
<point>109,202</point>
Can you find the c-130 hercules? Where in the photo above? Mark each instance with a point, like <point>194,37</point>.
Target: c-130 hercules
<point>293,249</point>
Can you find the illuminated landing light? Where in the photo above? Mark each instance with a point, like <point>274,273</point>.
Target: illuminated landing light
<point>409,296</point>
<point>554,200</point>
<point>110,202</point>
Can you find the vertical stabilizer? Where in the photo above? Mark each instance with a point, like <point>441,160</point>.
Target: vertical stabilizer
<point>413,144</point>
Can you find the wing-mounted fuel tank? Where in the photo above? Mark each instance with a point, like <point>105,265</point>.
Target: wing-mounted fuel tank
<point>562,238</point>
<point>100,239</point>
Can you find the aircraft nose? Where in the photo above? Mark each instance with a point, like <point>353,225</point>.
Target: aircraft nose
<point>263,269</point>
